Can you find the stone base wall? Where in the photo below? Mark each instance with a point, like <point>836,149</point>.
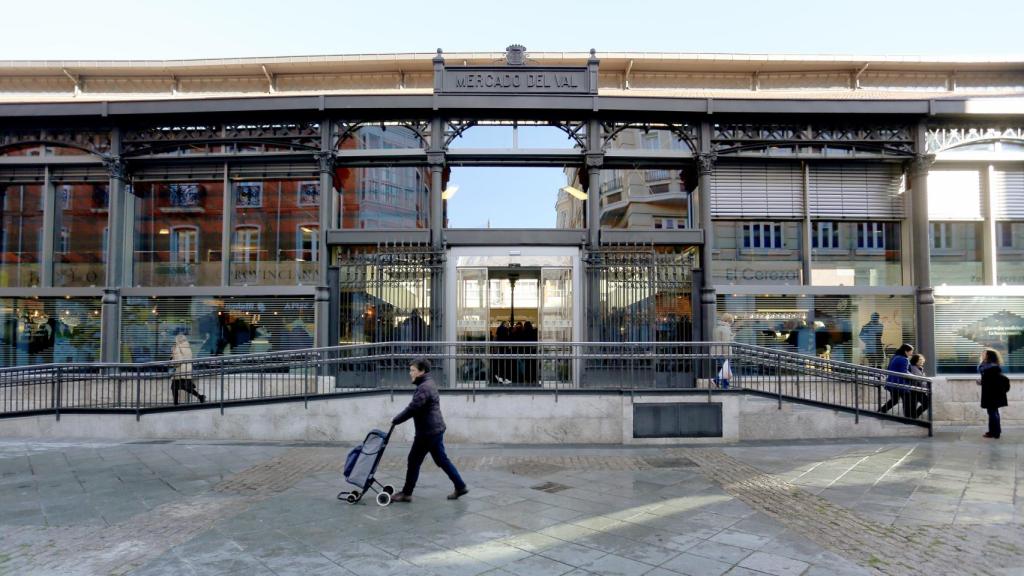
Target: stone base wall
<point>957,401</point>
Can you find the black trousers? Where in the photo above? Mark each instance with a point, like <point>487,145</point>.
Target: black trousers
<point>187,385</point>
<point>433,445</point>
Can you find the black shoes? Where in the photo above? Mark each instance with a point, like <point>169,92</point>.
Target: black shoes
<point>401,497</point>
<point>458,492</point>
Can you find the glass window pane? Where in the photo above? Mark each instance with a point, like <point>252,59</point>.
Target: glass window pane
<point>856,259</point>
<point>1010,253</point>
<point>384,197</point>
<point>214,325</point>
<point>45,330</point>
<point>178,231</point>
<point>965,325</point>
<point>769,253</point>
<point>859,329</point>
<point>22,234</point>
<point>275,240</point>
<point>80,219</point>
<point>956,255</point>
<point>634,199</point>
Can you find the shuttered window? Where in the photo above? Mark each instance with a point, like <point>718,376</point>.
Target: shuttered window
<point>214,325</point>
<point>757,190</point>
<point>954,195</point>
<point>1008,194</point>
<point>873,191</point>
<point>45,330</point>
<point>816,324</point>
<point>964,325</point>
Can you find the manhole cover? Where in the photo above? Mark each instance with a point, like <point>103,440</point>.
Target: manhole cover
<point>550,487</point>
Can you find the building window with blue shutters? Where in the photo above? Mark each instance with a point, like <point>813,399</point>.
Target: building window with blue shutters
<point>762,236</point>
<point>825,235</point>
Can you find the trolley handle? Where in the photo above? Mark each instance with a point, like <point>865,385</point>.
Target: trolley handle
<point>390,431</point>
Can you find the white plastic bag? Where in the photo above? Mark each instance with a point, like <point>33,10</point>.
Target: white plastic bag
<point>725,373</point>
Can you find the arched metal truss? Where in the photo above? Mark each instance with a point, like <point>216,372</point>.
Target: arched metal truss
<point>812,139</point>
<point>686,133</point>
<point>297,136</point>
<point>347,129</point>
<point>96,142</point>
<point>942,139</point>
<point>574,130</point>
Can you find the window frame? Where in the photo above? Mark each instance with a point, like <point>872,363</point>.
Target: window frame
<point>173,247</point>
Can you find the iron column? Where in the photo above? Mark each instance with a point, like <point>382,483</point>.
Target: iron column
<point>322,310</point>
<point>922,254</point>
<point>110,328</point>
<point>705,170</point>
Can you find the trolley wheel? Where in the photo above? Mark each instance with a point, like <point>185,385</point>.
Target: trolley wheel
<point>356,494</point>
<point>389,489</point>
<point>351,498</point>
<point>383,499</point>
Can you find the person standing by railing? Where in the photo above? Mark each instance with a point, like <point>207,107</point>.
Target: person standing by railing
<point>182,377</point>
<point>900,362</point>
<point>920,401</point>
<point>994,387</point>
<point>723,333</point>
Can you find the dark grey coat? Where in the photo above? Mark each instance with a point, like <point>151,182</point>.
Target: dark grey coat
<point>424,409</point>
<point>994,386</point>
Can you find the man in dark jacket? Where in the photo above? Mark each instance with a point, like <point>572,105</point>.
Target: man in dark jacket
<point>425,411</point>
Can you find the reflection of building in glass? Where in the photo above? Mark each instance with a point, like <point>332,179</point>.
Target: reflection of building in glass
<point>383,196</point>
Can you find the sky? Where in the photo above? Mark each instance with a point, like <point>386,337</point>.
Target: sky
<point>503,197</point>
<point>165,29</point>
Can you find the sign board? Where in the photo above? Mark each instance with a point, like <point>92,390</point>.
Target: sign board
<point>516,80</point>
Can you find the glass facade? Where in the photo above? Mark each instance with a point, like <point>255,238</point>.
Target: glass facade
<point>215,325</point>
<point>384,197</point>
<point>1010,252</point>
<point>956,253</point>
<point>45,330</point>
<point>646,199</point>
<point>22,235</point>
<point>276,238</point>
<point>80,226</point>
<point>855,253</point>
<point>178,230</point>
<point>965,325</point>
<point>757,252</point>
<point>845,327</point>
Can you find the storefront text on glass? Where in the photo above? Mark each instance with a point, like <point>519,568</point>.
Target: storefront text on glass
<point>504,80</point>
<point>771,275</point>
<point>301,272</point>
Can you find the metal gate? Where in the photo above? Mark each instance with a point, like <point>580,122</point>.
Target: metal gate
<point>642,294</point>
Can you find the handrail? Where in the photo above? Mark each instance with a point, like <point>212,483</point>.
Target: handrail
<point>555,366</point>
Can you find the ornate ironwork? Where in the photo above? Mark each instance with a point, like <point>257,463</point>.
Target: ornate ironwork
<point>152,139</point>
<point>455,128</point>
<point>515,55</point>
<point>91,141</point>
<point>945,138</point>
<point>116,167</point>
<point>325,160</point>
<point>686,133</point>
<point>706,163</point>
<point>920,165</point>
<point>742,137</point>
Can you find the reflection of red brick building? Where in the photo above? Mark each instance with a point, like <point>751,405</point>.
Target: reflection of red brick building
<point>383,196</point>
<point>80,234</point>
<point>275,240</point>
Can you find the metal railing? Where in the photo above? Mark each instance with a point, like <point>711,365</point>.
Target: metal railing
<point>697,367</point>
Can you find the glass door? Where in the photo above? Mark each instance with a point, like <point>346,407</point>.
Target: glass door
<point>471,323</point>
<point>556,312</point>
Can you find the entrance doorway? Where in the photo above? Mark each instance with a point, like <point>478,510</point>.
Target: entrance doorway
<point>522,305</point>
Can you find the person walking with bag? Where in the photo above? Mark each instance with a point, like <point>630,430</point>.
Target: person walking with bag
<point>182,378</point>
<point>994,387</point>
<point>425,411</point>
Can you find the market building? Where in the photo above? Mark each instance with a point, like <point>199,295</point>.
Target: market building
<point>830,205</point>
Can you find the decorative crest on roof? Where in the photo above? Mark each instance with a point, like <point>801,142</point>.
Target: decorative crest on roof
<point>515,55</point>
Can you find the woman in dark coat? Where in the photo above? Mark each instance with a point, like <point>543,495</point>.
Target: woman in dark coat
<point>994,386</point>
<point>900,362</point>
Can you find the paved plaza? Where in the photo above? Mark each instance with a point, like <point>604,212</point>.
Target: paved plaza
<point>953,504</point>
